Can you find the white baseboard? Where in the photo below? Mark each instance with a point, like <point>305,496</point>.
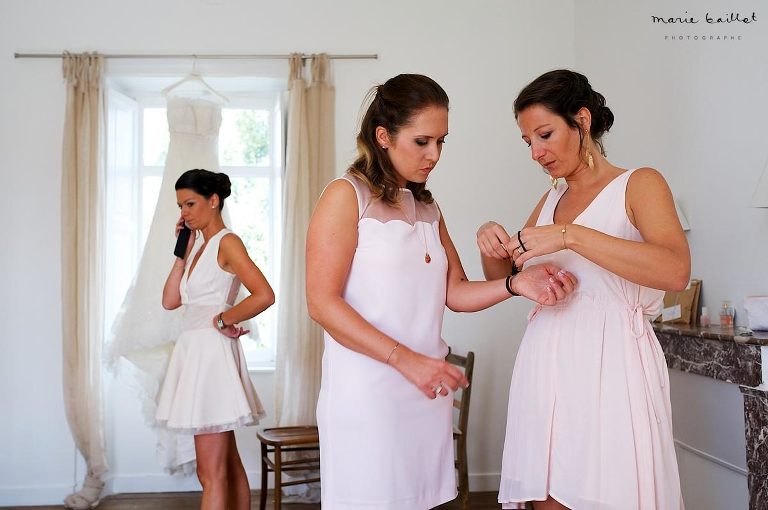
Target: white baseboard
<point>167,483</point>
<point>34,496</point>
<point>127,484</point>
<point>709,483</point>
<point>150,483</point>
<point>484,482</point>
<point>120,484</point>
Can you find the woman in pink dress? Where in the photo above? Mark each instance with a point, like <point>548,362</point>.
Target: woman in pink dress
<point>589,424</point>
<point>381,269</point>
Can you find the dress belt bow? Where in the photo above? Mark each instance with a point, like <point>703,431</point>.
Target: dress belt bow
<point>641,328</point>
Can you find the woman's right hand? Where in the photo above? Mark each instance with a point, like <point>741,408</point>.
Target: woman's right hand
<point>492,239</point>
<point>180,225</point>
<point>428,374</point>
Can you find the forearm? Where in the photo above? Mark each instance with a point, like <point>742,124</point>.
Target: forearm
<point>171,291</point>
<point>249,307</point>
<point>643,263</point>
<point>468,296</point>
<point>350,329</point>
<point>493,268</point>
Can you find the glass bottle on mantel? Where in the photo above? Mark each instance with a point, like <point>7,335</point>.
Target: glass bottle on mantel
<point>726,315</point>
<point>704,320</point>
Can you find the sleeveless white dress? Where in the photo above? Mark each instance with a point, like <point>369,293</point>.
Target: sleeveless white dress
<point>383,444</point>
<point>207,388</point>
<point>590,420</point>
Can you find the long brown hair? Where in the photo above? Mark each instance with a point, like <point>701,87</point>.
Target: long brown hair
<point>393,106</point>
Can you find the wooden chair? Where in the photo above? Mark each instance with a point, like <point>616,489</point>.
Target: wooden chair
<point>279,440</point>
<point>460,424</point>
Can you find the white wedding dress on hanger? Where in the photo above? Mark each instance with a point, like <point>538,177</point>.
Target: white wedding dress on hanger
<point>143,331</point>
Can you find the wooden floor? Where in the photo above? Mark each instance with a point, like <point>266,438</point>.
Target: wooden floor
<point>191,500</point>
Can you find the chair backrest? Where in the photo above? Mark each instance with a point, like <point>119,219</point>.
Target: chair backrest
<point>462,402</point>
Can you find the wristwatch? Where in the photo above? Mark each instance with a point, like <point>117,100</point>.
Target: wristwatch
<point>220,322</point>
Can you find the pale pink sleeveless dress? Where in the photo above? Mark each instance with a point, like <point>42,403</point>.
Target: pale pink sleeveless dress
<point>589,419</point>
<point>383,444</point>
<point>207,387</point>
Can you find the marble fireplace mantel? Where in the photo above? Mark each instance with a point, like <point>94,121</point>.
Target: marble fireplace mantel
<point>721,354</point>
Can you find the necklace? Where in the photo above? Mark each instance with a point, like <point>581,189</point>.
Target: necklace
<point>427,258</point>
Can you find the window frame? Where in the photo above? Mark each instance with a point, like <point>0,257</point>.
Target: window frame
<point>270,100</point>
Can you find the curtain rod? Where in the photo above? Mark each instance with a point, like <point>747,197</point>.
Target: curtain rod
<point>207,56</point>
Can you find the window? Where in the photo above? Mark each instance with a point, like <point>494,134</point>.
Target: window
<point>250,152</point>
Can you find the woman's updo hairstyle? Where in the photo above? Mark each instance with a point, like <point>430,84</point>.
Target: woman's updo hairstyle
<point>206,183</point>
<point>564,93</point>
<point>392,106</point>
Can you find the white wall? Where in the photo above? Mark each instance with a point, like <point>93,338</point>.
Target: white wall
<point>481,53</point>
<point>696,111</point>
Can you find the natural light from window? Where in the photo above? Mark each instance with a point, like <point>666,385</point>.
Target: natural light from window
<point>250,152</point>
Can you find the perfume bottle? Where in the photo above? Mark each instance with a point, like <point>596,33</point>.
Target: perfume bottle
<point>726,315</point>
<point>704,320</point>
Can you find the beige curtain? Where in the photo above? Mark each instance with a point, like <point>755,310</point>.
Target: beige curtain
<point>309,166</point>
<point>82,192</point>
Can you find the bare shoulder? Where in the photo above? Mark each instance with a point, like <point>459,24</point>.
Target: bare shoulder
<point>646,177</point>
<point>231,243</point>
<point>646,182</point>
<point>338,199</point>
<point>231,239</point>
<point>648,193</point>
<point>339,190</point>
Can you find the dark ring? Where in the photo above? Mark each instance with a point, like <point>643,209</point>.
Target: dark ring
<point>521,242</point>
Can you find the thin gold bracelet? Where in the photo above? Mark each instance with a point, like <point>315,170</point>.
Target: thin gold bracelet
<point>397,344</point>
<point>563,232</point>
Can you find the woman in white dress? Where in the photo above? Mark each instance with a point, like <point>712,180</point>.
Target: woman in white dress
<point>381,268</point>
<point>207,391</point>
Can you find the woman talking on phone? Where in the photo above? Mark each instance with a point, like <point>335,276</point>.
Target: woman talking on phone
<point>207,391</point>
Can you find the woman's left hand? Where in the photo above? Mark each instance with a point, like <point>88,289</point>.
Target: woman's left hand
<point>538,241</point>
<point>232,331</point>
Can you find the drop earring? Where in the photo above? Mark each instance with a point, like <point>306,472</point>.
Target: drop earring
<point>553,181</point>
<point>590,160</point>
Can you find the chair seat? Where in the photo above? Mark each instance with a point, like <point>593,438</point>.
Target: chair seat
<point>288,436</point>
<point>296,443</point>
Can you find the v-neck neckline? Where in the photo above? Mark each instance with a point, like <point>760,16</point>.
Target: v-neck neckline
<point>594,199</point>
<point>200,253</point>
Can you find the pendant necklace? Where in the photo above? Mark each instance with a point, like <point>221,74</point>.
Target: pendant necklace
<point>427,258</point>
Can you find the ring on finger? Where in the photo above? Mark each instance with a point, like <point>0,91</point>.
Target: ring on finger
<point>438,389</point>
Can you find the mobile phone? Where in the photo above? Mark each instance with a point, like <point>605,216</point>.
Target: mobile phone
<point>181,242</point>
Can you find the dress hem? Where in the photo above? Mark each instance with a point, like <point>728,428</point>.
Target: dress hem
<point>243,421</point>
<point>403,504</point>
<point>506,505</point>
